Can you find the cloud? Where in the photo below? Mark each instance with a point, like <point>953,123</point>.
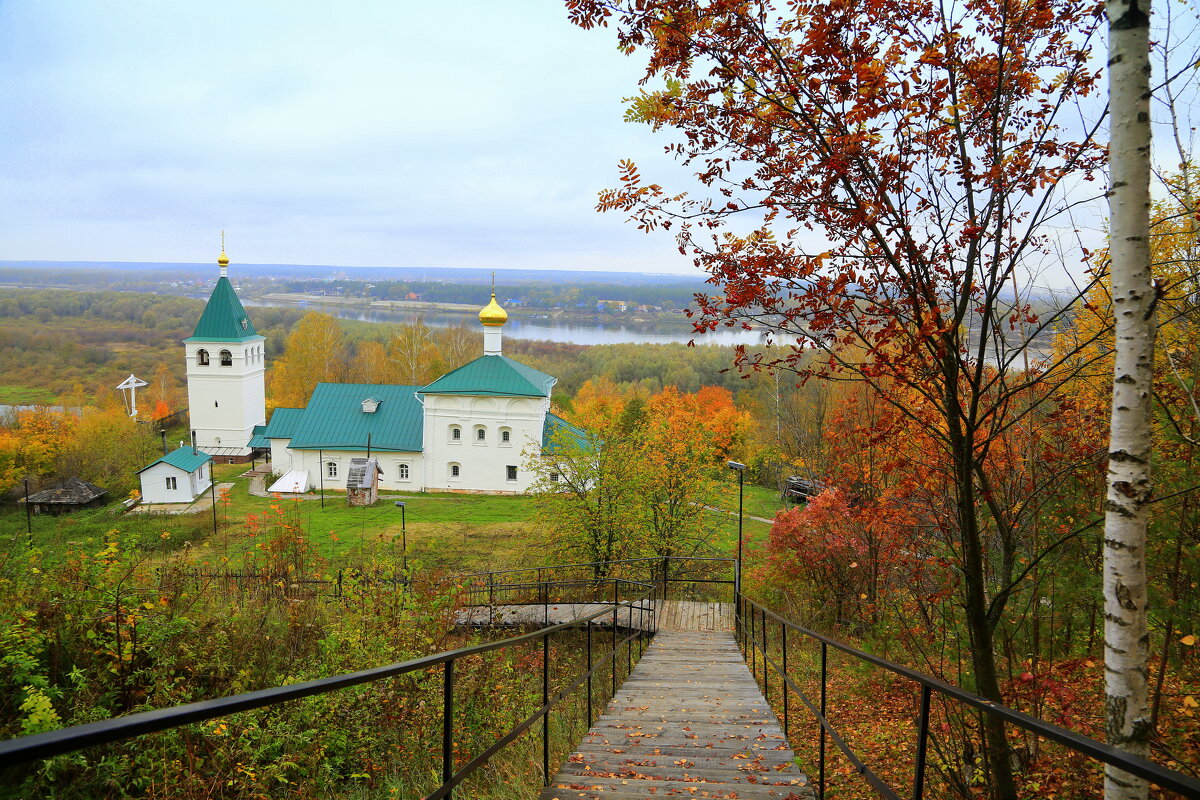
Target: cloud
<point>454,134</point>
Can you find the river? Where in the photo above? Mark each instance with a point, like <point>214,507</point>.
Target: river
<point>571,331</point>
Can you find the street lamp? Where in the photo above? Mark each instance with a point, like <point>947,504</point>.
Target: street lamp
<point>737,575</point>
<point>403,535</point>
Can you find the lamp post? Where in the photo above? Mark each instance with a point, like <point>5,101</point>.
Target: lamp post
<point>403,535</point>
<point>737,575</point>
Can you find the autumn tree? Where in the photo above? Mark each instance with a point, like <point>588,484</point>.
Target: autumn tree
<point>107,447</point>
<point>876,183</point>
<point>682,441</point>
<point>585,479</point>
<point>638,475</point>
<point>32,444</point>
<point>163,393</point>
<point>412,351</point>
<point>315,352</point>
<point>371,364</point>
<point>458,345</point>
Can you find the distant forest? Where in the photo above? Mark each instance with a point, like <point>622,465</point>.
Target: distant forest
<point>545,290</point>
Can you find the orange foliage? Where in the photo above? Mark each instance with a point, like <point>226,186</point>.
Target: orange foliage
<point>32,446</point>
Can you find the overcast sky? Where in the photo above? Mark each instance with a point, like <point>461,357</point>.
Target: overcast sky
<point>470,133</point>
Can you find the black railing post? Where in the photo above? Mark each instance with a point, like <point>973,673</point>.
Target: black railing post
<point>783,647</point>
<point>614,642</point>
<point>589,673</point>
<point>629,647</point>
<point>750,646</point>
<point>546,716</point>
<point>918,791</point>
<point>545,599</point>
<point>664,581</point>
<point>448,724</point>
<point>821,748</point>
<point>766,674</point>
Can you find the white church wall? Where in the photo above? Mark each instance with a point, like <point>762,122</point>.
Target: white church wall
<point>491,464</point>
<point>317,464</point>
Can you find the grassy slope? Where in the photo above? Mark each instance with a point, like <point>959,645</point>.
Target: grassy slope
<point>445,532</point>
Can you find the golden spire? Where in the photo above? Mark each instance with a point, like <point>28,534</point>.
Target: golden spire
<point>223,260</point>
<point>492,314</point>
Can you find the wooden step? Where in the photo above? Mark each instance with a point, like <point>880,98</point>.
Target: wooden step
<point>688,722</point>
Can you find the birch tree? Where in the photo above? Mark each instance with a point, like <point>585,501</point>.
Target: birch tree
<point>1127,508</point>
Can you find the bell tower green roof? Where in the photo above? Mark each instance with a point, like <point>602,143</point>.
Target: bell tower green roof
<point>224,319</point>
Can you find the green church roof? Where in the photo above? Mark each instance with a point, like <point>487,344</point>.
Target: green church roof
<point>283,423</point>
<point>258,438</point>
<point>493,375</point>
<point>557,432</point>
<point>185,458</point>
<point>224,319</point>
<point>335,420</point>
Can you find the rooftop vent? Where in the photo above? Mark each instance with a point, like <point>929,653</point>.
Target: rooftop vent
<point>369,405</point>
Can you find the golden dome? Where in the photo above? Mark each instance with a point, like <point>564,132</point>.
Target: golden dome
<point>223,260</point>
<point>493,314</point>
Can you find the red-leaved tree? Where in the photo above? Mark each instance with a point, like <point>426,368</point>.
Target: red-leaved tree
<point>880,180</point>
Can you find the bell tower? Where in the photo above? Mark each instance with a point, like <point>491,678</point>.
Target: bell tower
<point>225,373</point>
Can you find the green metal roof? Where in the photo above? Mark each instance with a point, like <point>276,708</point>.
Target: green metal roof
<point>283,423</point>
<point>552,438</point>
<point>493,375</point>
<point>258,437</point>
<point>184,458</point>
<point>334,419</point>
<point>224,319</point>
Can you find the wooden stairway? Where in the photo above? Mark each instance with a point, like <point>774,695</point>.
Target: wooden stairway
<point>688,722</point>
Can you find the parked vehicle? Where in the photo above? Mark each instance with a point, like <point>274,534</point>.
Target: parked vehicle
<point>801,488</point>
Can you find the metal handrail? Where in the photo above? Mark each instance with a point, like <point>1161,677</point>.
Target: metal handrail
<point>615,562</point>
<point>25,749</point>
<point>1154,773</point>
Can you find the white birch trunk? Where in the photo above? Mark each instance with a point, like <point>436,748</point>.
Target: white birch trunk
<point>1126,644</point>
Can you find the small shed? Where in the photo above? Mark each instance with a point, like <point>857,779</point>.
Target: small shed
<point>70,495</point>
<point>178,477</point>
<point>362,481</point>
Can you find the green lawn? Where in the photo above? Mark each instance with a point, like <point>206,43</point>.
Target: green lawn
<point>26,396</point>
<point>444,532</point>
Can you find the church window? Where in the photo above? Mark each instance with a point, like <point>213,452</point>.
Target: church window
<point>512,472</point>
<point>554,477</point>
<point>505,436</point>
<point>404,472</point>
<point>455,433</point>
<point>202,357</point>
<point>481,434</point>
<point>171,483</point>
<point>226,358</point>
<point>330,469</point>
<point>455,471</point>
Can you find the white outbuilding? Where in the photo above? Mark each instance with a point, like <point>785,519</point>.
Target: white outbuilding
<point>178,477</point>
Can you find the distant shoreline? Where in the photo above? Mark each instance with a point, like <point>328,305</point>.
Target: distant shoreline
<point>306,299</point>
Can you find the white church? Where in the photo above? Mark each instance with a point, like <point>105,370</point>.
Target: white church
<point>474,429</point>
